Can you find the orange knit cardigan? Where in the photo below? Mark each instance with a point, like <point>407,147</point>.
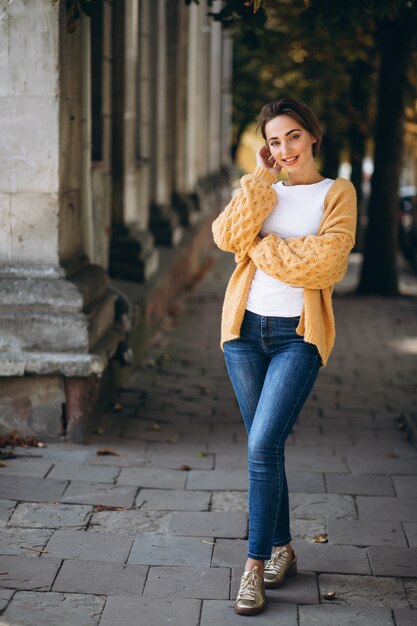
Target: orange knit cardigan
<point>314,262</point>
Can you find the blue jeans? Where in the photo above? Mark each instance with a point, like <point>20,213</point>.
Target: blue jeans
<point>272,370</point>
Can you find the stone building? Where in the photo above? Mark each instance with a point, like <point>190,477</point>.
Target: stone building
<point>114,157</point>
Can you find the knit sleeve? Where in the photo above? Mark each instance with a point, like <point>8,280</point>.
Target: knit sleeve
<point>313,261</point>
<point>235,229</point>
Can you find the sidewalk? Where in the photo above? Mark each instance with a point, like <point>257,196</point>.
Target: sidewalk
<point>156,535</point>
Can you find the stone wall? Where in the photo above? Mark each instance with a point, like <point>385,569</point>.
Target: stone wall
<point>112,153</point>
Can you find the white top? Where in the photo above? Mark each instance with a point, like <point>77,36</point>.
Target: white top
<point>297,213</point>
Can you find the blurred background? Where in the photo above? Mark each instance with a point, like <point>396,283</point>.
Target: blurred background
<point>125,125</point>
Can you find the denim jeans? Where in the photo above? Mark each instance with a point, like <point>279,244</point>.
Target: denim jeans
<point>272,370</point>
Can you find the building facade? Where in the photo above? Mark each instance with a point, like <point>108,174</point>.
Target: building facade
<point>115,137</point>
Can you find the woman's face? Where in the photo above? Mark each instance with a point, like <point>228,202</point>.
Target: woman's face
<point>290,143</point>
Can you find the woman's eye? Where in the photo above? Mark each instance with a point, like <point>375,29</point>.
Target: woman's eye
<point>274,143</point>
<point>295,137</point>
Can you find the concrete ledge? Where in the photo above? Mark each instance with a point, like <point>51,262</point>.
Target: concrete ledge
<point>177,269</point>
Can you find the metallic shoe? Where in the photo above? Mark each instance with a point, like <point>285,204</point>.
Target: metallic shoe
<point>280,566</point>
<point>251,596</point>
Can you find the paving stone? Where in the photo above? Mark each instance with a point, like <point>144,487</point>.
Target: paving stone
<point>218,479</point>
<point>216,524</point>
<point>20,572</point>
<point>360,484</point>
<point>387,509</point>
<point>312,462</point>
<point>405,486</point>
<point>393,561</point>
<point>49,609</point>
<point>126,610</point>
<point>6,509</point>
<point>229,501</point>
<point>34,515</point>
<point>235,462</point>
<point>365,533</point>
<point>229,553</point>
<point>221,613</point>
<point>173,499</point>
<point>99,493</point>
<point>364,590</point>
<point>371,464</point>
<point>130,522</point>
<point>100,578</point>
<point>31,489</point>
<point>26,467</point>
<point>314,506</point>
<point>305,530</point>
<point>194,461</point>
<point>410,529</point>
<point>326,615</point>
<point>188,582</point>
<point>169,449</point>
<point>328,558</point>
<point>21,541</point>
<point>152,478</point>
<point>410,586</point>
<point>305,482</point>
<point>162,550</point>
<point>88,546</point>
<point>405,617</point>
<point>302,589</point>
<point>71,471</point>
<point>5,596</point>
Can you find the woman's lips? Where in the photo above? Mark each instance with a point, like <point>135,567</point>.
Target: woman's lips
<point>290,160</point>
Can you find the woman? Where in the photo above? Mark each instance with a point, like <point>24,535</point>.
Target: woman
<point>291,242</point>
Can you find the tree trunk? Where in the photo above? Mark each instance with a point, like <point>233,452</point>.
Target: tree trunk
<point>359,89</point>
<point>379,269</point>
<point>330,150</point>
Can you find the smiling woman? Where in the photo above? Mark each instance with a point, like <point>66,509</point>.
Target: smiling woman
<point>291,240</point>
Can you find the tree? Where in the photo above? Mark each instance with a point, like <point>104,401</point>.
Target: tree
<point>396,40</point>
<point>343,42</point>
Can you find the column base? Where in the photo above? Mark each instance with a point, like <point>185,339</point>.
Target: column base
<point>187,208</point>
<point>164,225</point>
<point>132,254</point>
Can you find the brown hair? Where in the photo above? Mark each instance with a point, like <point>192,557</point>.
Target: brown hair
<point>299,111</point>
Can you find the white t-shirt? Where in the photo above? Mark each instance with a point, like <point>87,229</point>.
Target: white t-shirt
<point>297,213</point>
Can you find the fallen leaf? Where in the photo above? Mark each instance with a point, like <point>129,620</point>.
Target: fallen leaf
<point>106,452</point>
<point>41,551</point>
<point>3,464</point>
<point>118,406</point>
<point>202,454</point>
<point>328,595</point>
<point>14,439</point>
<point>105,507</point>
<point>185,467</point>
<point>99,431</point>
<point>322,538</point>
<point>211,543</point>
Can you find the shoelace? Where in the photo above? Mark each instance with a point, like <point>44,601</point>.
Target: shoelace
<point>248,587</point>
<point>277,561</point>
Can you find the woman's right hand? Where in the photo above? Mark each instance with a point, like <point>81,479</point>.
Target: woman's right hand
<point>265,159</point>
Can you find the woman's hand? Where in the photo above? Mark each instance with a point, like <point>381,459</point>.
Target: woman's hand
<point>265,159</point>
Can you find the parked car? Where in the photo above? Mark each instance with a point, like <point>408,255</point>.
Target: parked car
<point>407,227</point>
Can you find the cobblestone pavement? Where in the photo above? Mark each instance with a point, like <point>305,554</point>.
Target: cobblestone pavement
<point>156,535</point>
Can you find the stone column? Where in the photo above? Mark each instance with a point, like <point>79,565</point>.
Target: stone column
<point>164,222</point>
<point>133,255</point>
<point>57,313</point>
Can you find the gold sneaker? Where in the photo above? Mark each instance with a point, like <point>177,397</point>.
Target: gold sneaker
<point>251,596</point>
<point>280,566</point>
